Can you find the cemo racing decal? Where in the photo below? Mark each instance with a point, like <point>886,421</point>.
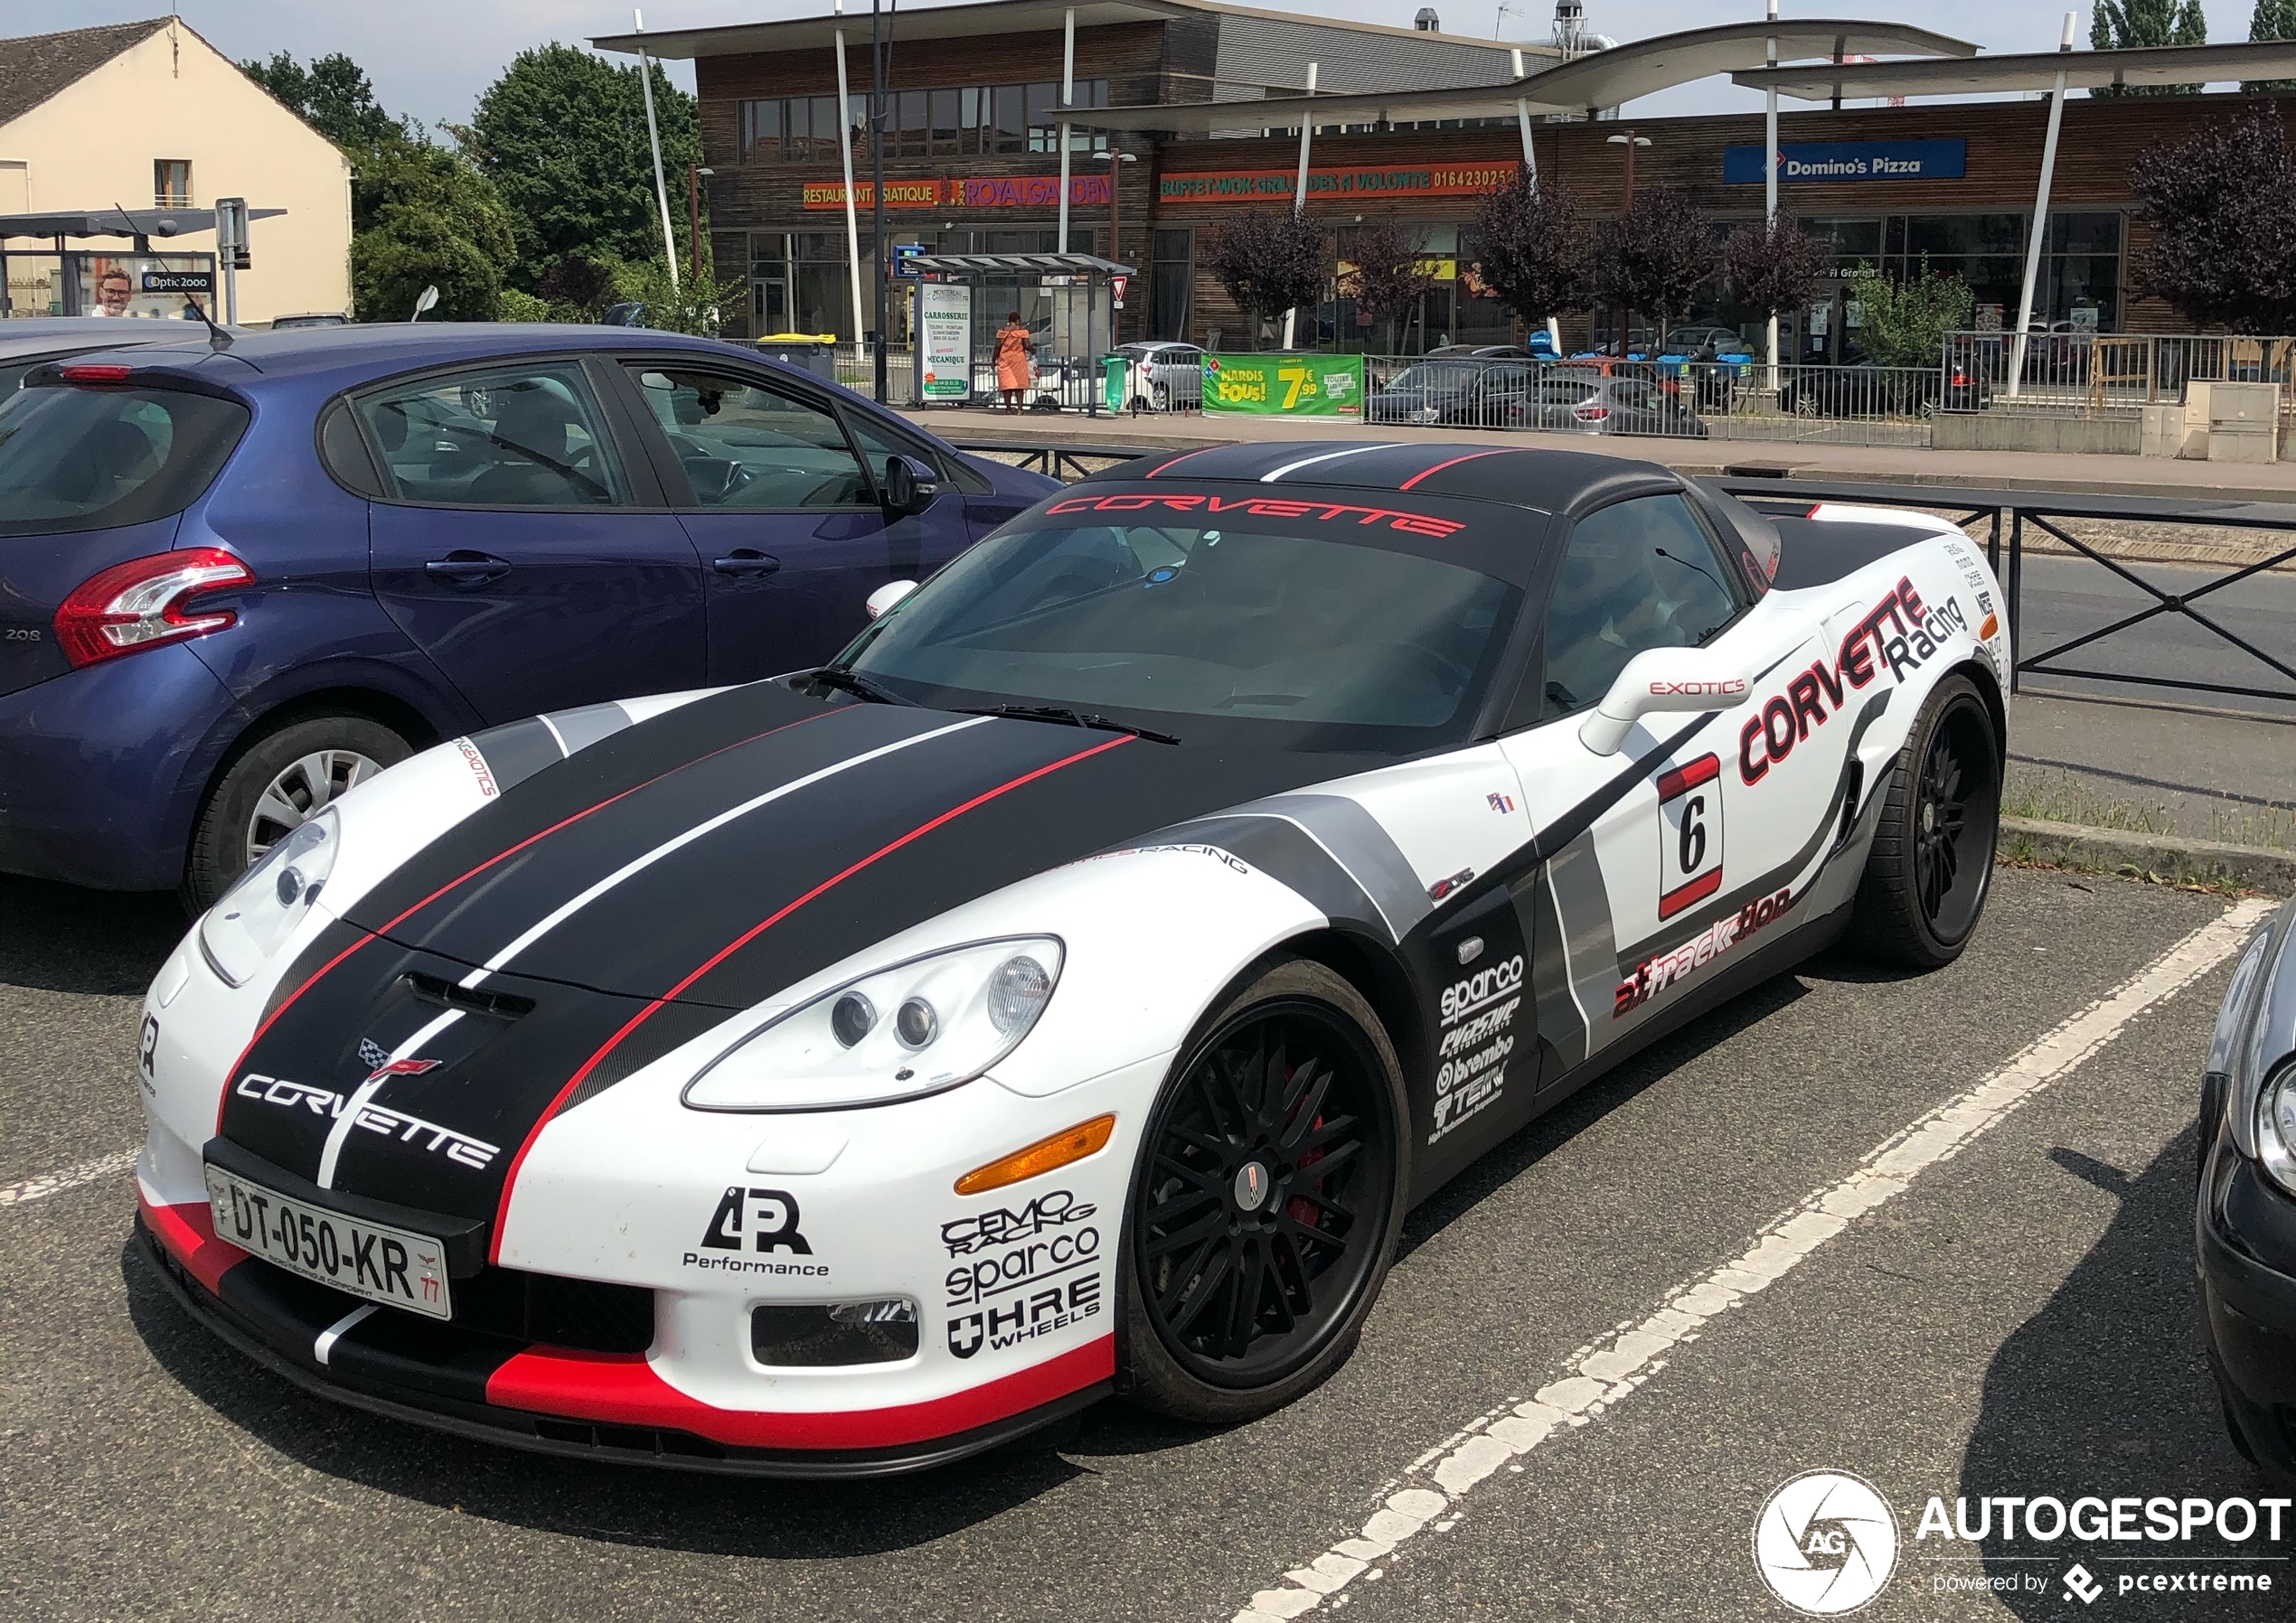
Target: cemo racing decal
<point>1472,1060</point>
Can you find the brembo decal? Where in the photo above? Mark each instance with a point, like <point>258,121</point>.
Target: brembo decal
<point>459,1148</point>
<point>1813,696</point>
<point>1471,1070</point>
<point>1264,507</point>
<point>1689,834</point>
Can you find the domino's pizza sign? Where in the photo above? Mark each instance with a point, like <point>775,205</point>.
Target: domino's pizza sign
<point>1836,161</point>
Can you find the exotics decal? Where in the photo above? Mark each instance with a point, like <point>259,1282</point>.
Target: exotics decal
<point>1812,695</point>
<point>1655,974</point>
<point>488,788</point>
<point>1689,834</point>
<point>1471,1069</point>
<point>1055,1208</point>
<point>771,1217</point>
<point>459,1148</point>
<point>1264,507</point>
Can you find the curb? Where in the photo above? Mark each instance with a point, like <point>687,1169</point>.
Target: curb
<point>2166,858</point>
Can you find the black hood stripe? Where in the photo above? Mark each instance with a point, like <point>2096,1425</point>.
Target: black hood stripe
<point>574,1084</point>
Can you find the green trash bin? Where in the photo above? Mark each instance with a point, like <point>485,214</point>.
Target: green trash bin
<point>1116,372</point>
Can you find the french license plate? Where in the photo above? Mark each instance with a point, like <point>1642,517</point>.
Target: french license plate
<point>365,1259</point>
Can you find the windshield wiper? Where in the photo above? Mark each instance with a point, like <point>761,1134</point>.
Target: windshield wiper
<point>854,682</point>
<point>1065,717</point>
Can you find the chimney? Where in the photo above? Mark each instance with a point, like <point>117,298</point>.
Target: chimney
<point>1427,22</point>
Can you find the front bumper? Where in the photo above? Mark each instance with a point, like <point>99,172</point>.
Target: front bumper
<point>2244,1244</point>
<point>603,1406</point>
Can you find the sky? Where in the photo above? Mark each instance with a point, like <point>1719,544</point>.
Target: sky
<point>432,57</point>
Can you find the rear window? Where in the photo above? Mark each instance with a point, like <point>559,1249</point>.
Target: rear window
<point>75,458</point>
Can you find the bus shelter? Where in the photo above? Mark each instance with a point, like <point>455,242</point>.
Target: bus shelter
<point>1067,301</point>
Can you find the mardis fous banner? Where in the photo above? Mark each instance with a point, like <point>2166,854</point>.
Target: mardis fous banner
<point>1286,385</point>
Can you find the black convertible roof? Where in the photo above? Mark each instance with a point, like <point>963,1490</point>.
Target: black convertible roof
<point>1547,480</point>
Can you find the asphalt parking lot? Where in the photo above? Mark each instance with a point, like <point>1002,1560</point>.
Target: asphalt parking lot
<point>2018,1320</point>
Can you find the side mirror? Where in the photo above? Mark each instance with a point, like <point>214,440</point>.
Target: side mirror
<point>1661,680</point>
<point>888,598</point>
<point>911,486</point>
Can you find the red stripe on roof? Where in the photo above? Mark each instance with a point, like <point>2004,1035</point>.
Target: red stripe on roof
<point>1453,463</point>
<point>1183,457</point>
<point>510,1179</point>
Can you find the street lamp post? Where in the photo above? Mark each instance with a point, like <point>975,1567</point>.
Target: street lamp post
<point>1115,158</point>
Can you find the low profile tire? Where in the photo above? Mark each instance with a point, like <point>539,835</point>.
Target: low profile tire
<point>1268,1202</point>
<point>275,784</point>
<point>1931,863</point>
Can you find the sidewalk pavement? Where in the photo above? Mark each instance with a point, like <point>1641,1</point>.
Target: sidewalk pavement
<point>2102,476</point>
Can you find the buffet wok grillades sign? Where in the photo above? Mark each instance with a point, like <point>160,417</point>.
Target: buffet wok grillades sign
<point>970,192</point>
<point>1257,185</point>
<point>1823,161</point>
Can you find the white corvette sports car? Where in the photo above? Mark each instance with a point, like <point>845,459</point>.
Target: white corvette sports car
<point>1068,990</point>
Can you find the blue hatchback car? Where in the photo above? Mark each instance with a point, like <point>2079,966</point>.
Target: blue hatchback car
<point>235,581</point>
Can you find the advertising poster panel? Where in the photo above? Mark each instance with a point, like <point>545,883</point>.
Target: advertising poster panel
<point>1286,385</point>
<point>945,347</point>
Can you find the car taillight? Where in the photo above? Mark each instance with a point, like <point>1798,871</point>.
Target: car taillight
<point>92,371</point>
<point>1590,413</point>
<point>140,604</point>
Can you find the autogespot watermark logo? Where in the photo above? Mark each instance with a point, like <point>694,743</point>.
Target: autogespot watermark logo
<point>1826,1542</point>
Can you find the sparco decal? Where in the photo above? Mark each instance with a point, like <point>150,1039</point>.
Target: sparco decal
<point>1264,507</point>
<point>1470,1068</point>
<point>1023,1265</point>
<point>1055,1208</point>
<point>1900,631</point>
<point>1007,1325</point>
<point>1654,975</point>
<point>460,1147</point>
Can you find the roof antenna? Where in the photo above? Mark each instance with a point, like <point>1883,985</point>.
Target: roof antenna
<point>218,339</point>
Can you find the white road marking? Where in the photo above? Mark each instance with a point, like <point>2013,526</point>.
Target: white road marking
<point>69,1177</point>
<point>1602,1374</point>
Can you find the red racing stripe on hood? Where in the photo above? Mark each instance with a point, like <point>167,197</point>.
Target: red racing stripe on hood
<point>510,1178</point>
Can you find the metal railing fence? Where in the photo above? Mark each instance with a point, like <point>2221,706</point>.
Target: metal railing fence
<point>2098,374</point>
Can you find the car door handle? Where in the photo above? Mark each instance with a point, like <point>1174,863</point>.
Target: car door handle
<point>467,568</point>
<point>746,560</point>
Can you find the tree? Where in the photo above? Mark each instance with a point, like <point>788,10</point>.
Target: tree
<point>561,134</point>
<point>2124,24</point>
<point>1772,265</point>
<point>1269,260</point>
<point>1391,273</point>
<point>2222,206</point>
<point>2272,20</point>
<point>582,287</point>
<point>1655,256</point>
<point>422,216</point>
<point>334,97</point>
<point>1534,249</point>
<point>1906,319</point>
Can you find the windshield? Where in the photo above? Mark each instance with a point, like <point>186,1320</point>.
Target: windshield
<point>74,459</point>
<point>1335,624</point>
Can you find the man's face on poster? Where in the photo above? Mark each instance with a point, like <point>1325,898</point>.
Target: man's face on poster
<point>113,290</point>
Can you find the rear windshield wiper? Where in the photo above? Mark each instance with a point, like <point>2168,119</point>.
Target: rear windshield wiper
<point>854,682</point>
<point>1065,717</point>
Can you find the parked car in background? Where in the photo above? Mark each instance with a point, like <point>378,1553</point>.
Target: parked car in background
<point>1581,401</point>
<point>233,586</point>
<point>1169,375</point>
<point>1703,343</point>
<point>1460,393</point>
<point>29,342</point>
<point>1479,352</point>
<point>314,318</point>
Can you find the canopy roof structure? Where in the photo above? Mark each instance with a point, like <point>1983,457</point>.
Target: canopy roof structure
<point>2030,70</point>
<point>994,264</point>
<point>1603,78</point>
<point>120,222</point>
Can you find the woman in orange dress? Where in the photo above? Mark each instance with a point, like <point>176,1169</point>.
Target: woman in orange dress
<point>1012,361</point>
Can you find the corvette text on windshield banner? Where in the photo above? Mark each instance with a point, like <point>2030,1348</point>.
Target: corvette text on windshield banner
<point>1265,507</point>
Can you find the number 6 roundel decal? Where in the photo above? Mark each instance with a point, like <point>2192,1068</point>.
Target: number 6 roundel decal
<point>1689,834</point>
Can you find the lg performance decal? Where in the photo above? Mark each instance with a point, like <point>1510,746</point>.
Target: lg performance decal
<point>1032,1272</point>
<point>1813,696</point>
<point>1689,834</point>
<point>1264,507</point>
<point>767,1219</point>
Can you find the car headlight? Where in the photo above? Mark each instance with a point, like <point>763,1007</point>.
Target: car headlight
<point>2276,1125</point>
<point>919,1027</point>
<point>254,918</point>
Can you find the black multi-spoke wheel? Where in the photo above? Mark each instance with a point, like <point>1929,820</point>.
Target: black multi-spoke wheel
<point>1265,1209</point>
<point>1933,854</point>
